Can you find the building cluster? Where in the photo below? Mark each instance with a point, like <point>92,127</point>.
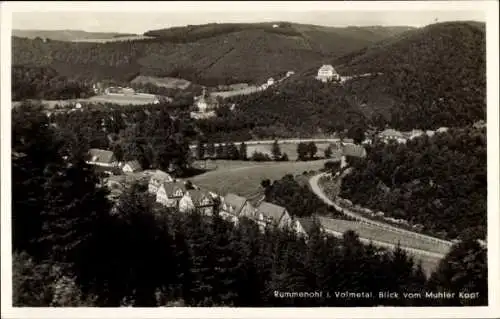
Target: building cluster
<point>390,135</point>
<point>187,198</point>
<point>106,162</point>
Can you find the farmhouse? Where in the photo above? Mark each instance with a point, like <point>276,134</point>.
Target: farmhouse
<point>392,135</point>
<point>272,215</point>
<point>351,150</point>
<point>197,200</point>
<point>270,81</point>
<point>304,226</point>
<point>132,167</point>
<point>327,73</point>
<point>234,206</point>
<point>442,130</point>
<point>169,194</point>
<point>102,158</point>
<point>289,73</point>
<point>158,178</point>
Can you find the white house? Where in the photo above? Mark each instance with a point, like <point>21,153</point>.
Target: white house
<point>270,82</point>
<point>289,73</point>
<point>327,73</point>
<point>132,167</point>
<point>102,158</point>
<point>268,214</point>
<point>442,130</point>
<point>197,200</point>
<point>169,194</point>
<point>233,207</point>
<point>392,135</point>
<point>157,179</point>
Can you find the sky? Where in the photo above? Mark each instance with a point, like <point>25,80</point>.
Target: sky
<point>143,18</point>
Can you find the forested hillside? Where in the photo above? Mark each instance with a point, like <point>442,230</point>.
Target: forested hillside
<point>292,109</point>
<point>31,82</point>
<point>432,77</point>
<point>73,247</point>
<point>439,182</point>
<point>207,54</point>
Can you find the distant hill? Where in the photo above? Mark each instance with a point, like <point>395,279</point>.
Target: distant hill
<point>210,54</point>
<point>67,35</point>
<point>430,77</point>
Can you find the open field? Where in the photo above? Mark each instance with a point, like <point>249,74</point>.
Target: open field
<point>135,99</point>
<point>243,178</point>
<point>167,82</point>
<point>382,235</point>
<point>385,239</point>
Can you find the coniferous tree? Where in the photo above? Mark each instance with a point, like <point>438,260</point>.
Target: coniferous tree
<point>243,151</point>
<point>464,269</point>
<point>302,151</point>
<point>276,151</point>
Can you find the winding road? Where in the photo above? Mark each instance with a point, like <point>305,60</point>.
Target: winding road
<point>380,225</point>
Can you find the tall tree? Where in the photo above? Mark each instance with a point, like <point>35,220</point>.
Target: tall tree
<point>276,151</point>
<point>243,151</point>
<point>465,270</point>
<point>312,149</point>
<point>200,150</point>
<point>302,151</point>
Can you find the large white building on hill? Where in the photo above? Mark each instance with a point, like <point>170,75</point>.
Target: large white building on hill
<point>327,73</point>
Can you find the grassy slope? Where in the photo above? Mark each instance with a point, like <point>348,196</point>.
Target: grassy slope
<point>245,180</point>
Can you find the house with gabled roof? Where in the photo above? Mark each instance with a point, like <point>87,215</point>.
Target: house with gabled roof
<point>233,207</point>
<point>327,73</point>
<point>170,193</point>
<point>132,167</point>
<point>197,200</point>
<point>101,158</point>
<point>157,179</point>
<point>269,215</point>
<point>303,226</point>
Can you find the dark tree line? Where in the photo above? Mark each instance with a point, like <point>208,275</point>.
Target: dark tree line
<point>45,83</point>
<point>428,181</point>
<point>73,247</point>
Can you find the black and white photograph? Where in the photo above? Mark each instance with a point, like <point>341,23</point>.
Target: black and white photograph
<point>276,156</point>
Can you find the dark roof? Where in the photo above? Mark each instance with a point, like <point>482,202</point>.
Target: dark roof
<point>235,201</point>
<point>170,188</point>
<point>271,210</point>
<point>197,195</point>
<point>101,156</point>
<point>307,223</point>
<point>353,150</point>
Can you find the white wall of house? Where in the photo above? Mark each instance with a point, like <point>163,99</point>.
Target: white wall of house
<point>186,204</point>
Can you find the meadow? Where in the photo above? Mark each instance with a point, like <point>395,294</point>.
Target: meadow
<point>244,177</point>
<point>167,82</point>
<point>429,263</point>
<point>135,99</point>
